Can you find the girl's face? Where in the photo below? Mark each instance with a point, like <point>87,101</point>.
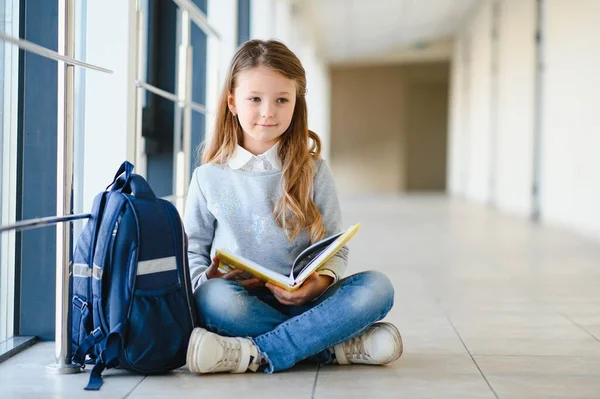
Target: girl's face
<point>264,102</point>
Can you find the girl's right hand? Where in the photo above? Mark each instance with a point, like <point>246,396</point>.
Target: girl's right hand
<point>213,272</point>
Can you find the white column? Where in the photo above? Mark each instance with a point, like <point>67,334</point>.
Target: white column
<point>109,98</point>
<point>515,106</point>
<point>222,16</point>
<point>456,118</point>
<point>479,104</point>
<point>570,116</point>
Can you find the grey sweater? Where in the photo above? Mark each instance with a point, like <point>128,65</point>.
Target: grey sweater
<point>232,209</point>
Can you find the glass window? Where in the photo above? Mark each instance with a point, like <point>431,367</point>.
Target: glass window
<point>243,21</point>
<point>9,64</point>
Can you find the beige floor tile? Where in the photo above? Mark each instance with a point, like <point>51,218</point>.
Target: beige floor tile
<point>421,364</point>
<point>518,326</point>
<point>594,330</point>
<point>542,376</point>
<point>295,383</point>
<point>442,377</point>
<point>583,345</point>
<point>540,366</point>
<point>26,376</point>
<point>518,387</point>
<point>584,314</point>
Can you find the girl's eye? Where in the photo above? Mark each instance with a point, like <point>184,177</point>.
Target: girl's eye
<point>254,99</point>
<point>282,100</point>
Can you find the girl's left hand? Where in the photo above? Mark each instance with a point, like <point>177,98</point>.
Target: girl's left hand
<point>312,287</point>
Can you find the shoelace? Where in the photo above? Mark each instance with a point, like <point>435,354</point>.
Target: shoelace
<point>231,355</point>
<point>356,347</point>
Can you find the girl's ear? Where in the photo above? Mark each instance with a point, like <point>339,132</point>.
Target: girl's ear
<point>231,103</point>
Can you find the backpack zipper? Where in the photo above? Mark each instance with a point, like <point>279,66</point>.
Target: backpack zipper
<point>117,223</point>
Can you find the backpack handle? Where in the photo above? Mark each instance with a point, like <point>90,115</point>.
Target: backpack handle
<point>127,182</point>
<point>127,168</point>
<point>135,185</point>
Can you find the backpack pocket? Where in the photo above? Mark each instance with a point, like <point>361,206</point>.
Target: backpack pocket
<point>158,330</point>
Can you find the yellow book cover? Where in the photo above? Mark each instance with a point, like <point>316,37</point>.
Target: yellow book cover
<point>304,265</point>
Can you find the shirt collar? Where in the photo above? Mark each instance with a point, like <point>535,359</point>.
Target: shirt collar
<point>243,156</point>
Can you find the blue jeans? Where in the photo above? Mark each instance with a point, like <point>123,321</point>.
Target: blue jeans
<point>286,335</point>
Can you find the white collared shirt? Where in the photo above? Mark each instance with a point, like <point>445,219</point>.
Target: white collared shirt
<point>248,162</point>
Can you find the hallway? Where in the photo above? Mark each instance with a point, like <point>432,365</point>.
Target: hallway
<point>489,305</point>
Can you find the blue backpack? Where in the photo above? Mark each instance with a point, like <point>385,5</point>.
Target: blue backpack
<point>132,299</point>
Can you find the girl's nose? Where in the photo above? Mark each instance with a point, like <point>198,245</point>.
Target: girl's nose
<point>268,111</point>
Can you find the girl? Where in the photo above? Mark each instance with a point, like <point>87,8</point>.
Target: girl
<point>264,192</point>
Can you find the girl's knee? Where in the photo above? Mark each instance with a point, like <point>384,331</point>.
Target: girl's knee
<point>376,291</point>
<point>219,299</point>
<point>379,282</point>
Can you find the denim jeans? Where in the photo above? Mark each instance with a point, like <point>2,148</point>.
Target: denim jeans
<point>286,335</point>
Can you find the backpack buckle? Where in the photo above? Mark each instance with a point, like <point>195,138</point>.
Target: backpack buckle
<point>97,334</point>
<point>86,346</point>
<point>80,303</point>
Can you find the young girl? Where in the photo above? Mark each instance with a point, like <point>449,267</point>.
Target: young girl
<point>264,192</point>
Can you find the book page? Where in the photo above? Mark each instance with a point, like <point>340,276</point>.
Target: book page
<point>256,270</point>
<point>323,254</point>
<point>309,254</point>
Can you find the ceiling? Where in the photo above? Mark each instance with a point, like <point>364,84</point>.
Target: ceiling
<point>384,31</point>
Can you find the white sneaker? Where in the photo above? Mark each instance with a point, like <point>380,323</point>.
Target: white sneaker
<point>381,343</point>
<point>212,353</point>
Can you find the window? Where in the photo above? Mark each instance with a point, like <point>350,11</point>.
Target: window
<point>243,21</point>
<point>9,74</point>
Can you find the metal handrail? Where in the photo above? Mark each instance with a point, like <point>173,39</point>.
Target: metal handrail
<point>198,17</point>
<point>170,96</point>
<point>47,53</point>
<point>43,222</point>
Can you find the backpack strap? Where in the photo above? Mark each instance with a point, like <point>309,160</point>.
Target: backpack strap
<point>109,358</point>
<point>95,381</point>
<point>86,346</point>
<point>96,335</point>
<point>107,345</point>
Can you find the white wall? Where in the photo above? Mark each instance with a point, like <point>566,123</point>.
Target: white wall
<point>570,121</point>
<point>493,164</point>
<point>457,114</point>
<point>262,19</point>
<point>318,96</point>
<point>571,115</point>
<point>478,130</point>
<point>109,98</point>
<point>516,74</point>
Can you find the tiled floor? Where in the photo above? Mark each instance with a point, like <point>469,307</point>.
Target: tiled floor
<point>489,306</point>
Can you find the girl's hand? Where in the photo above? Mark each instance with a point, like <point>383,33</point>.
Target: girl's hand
<point>312,287</point>
<point>213,272</point>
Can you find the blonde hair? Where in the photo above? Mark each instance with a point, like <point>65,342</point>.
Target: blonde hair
<point>298,146</point>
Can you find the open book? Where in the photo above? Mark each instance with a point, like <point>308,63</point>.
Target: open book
<point>304,265</point>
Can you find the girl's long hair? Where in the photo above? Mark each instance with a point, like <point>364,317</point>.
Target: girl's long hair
<point>298,146</point>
